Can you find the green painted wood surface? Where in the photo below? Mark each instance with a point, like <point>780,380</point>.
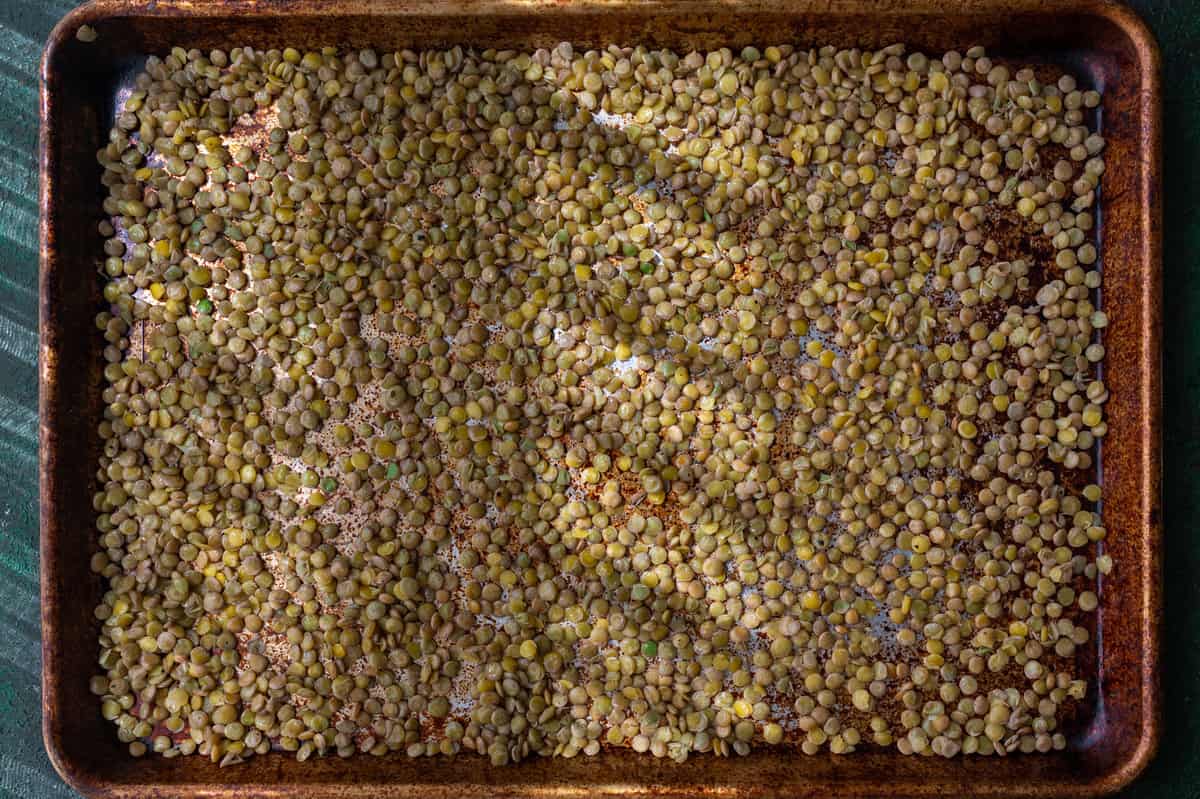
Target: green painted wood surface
<point>25,773</point>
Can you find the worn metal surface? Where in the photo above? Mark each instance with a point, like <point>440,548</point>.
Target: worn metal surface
<point>1099,41</point>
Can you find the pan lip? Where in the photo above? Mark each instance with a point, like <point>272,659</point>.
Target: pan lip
<point>1144,740</point>
<point>73,773</point>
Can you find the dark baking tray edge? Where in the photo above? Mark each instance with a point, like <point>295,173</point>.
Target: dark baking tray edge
<point>1125,731</point>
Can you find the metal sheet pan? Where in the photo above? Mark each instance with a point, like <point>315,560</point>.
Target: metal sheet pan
<point>1103,43</point>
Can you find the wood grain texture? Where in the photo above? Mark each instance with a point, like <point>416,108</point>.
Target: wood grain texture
<point>24,770</point>
<point>25,773</point>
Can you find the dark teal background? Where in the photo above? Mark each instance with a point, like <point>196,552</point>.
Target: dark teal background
<point>25,773</point>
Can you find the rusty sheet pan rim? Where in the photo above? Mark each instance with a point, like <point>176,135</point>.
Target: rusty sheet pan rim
<point>1150,379</point>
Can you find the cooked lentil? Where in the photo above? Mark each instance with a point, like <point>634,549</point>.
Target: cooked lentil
<point>532,403</point>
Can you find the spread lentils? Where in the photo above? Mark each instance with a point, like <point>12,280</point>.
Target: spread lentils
<point>536,403</point>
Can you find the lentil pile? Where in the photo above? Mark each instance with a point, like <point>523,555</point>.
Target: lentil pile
<point>533,403</point>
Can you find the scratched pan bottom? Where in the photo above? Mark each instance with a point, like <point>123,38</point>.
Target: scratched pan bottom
<point>1114,735</point>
